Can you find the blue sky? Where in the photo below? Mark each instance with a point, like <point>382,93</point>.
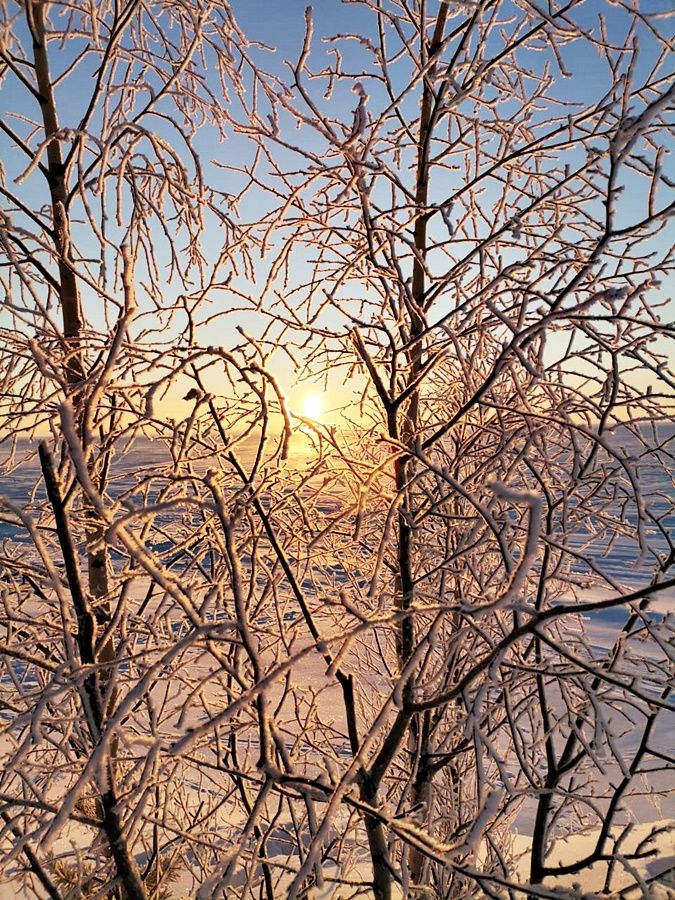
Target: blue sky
<point>281,25</point>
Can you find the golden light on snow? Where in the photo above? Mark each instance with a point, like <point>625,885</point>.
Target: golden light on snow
<point>312,406</point>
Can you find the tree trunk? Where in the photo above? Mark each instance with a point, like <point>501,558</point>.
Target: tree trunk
<point>97,554</point>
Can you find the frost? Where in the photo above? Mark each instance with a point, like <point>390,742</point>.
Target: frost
<point>446,214</point>
<point>360,117</point>
<point>247,653</point>
<point>482,820</point>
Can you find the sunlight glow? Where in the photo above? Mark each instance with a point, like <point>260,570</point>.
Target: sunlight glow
<point>312,406</point>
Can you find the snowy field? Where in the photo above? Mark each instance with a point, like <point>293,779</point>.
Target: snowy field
<point>654,810</point>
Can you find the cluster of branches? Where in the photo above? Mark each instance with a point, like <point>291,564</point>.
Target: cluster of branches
<point>247,654</point>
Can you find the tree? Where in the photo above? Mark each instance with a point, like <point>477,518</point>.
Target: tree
<point>388,637</point>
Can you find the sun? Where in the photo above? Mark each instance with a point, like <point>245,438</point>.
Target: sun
<point>312,406</point>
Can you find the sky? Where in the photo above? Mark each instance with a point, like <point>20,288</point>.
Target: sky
<point>281,25</point>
